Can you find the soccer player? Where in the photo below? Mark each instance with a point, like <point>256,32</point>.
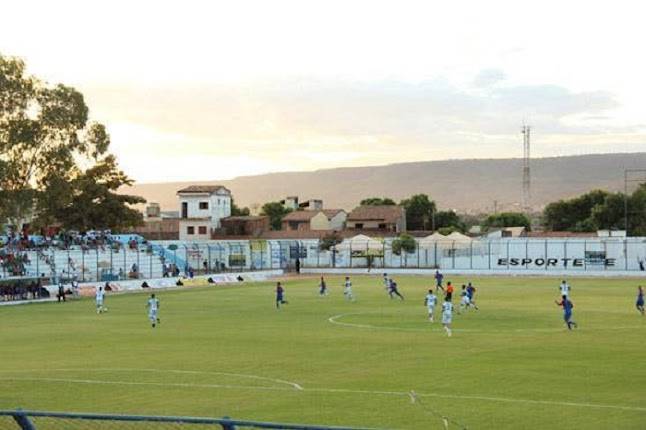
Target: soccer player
<point>386,282</point>
<point>567,312</point>
<point>449,291</point>
<point>347,289</point>
<point>100,295</point>
<point>640,300</point>
<point>447,315</point>
<point>471,291</point>
<point>430,301</point>
<point>322,288</point>
<point>565,288</point>
<point>280,300</point>
<point>393,290</point>
<point>438,280</point>
<point>464,299</point>
<point>153,308</point>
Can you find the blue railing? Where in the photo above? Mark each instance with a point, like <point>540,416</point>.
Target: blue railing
<point>29,420</point>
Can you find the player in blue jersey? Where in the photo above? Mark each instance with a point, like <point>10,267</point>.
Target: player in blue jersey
<point>280,299</point>
<point>322,288</point>
<point>430,301</point>
<point>567,311</point>
<point>471,292</point>
<point>392,290</point>
<point>153,309</point>
<point>640,300</point>
<point>438,280</point>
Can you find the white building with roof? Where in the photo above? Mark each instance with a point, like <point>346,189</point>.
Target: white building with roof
<point>201,207</point>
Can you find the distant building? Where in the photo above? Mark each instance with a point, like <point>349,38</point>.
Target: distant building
<point>244,225</point>
<point>202,208</point>
<point>290,202</point>
<point>153,210</point>
<point>507,232</point>
<point>377,218</point>
<point>306,220</point>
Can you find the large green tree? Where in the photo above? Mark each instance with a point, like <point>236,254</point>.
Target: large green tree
<point>508,219</point>
<point>419,212</point>
<point>377,201</point>
<point>573,214</point>
<point>50,151</point>
<point>275,211</point>
<point>449,220</point>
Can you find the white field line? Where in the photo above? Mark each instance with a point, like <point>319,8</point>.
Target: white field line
<point>335,320</point>
<point>335,391</point>
<point>185,372</point>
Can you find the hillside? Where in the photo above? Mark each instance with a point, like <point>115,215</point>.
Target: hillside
<point>465,185</point>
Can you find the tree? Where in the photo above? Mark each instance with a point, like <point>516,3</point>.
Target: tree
<point>508,219</point>
<point>565,215</point>
<point>419,211</point>
<point>45,136</point>
<point>89,200</point>
<point>405,243</point>
<point>276,212</point>
<point>449,219</point>
<point>237,211</point>
<point>330,240</point>
<point>377,201</point>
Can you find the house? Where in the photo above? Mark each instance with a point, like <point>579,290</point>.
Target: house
<point>292,203</point>
<point>244,225</point>
<point>202,208</point>
<point>507,232</point>
<point>378,218</point>
<point>323,219</point>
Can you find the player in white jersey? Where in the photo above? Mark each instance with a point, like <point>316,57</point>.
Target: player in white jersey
<point>447,315</point>
<point>153,309</point>
<point>565,289</point>
<point>386,282</point>
<point>430,301</point>
<point>100,295</point>
<point>347,289</point>
<point>465,301</point>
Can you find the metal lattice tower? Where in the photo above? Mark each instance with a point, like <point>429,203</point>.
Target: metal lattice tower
<point>526,196</point>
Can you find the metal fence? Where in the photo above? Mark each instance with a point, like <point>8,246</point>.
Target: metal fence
<point>168,258</point>
<point>32,420</point>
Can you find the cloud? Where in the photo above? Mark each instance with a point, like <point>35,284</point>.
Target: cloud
<point>488,77</point>
<point>313,123</point>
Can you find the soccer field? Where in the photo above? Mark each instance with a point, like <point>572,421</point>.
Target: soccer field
<point>227,350</point>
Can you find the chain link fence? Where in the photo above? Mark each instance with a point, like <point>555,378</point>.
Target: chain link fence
<point>30,420</point>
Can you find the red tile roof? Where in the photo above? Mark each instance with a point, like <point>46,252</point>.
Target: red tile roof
<point>388,214</point>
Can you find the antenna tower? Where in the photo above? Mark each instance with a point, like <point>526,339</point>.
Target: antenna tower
<point>526,197</point>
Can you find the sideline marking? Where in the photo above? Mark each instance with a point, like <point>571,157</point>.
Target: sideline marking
<point>335,320</point>
<point>336,390</point>
<point>187,372</point>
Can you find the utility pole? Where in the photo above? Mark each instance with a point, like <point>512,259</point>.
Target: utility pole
<point>526,195</point>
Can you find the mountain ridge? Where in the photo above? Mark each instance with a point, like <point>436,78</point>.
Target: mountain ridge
<point>467,185</point>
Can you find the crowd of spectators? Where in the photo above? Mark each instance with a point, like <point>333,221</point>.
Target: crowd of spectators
<point>23,290</point>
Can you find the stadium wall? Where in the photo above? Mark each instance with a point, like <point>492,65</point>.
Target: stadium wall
<point>89,288</point>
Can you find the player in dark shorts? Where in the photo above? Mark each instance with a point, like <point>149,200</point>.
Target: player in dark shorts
<point>280,300</point>
<point>392,290</point>
<point>449,291</point>
<point>640,300</point>
<point>322,288</point>
<point>438,280</point>
<point>567,312</point>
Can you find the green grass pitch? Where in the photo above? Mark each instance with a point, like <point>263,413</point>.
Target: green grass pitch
<point>226,350</point>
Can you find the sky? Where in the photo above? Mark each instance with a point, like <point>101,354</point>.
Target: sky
<point>208,90</point>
